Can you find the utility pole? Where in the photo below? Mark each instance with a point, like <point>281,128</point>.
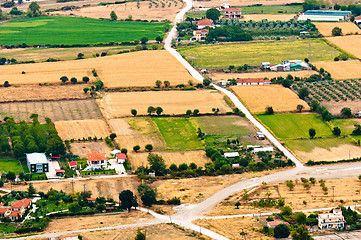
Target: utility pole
<point>333,193</point>
<point>72,185</point>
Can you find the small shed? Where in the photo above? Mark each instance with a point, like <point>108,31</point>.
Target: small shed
<point>59,172</point>
<point>73,164</point>
<point>231,154</point>
<point>236,165</point>
<point>152,174</point>
<point>266,65</point>
<point>121,157</point>
<point>260,136</point>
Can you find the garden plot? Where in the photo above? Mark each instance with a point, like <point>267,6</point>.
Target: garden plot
<point>341,70</point>
<point>325,28</point>
<point>350,44</point>
<point>173,102</point>
<point>257,98</point>
<point>220,76</point>
<point>79,129</point>
<point>55,110</point>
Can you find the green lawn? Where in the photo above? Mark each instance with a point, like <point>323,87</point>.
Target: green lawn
<point>6,228</point>
<point>179,133</point>
<point>254,53</point>
<point>272,9</point>
<point>293,126</point>
<point>223,125</point>
<point>346,125</point>
<point>307,145</point>
<point>8,164</point>
<point>74,30</point>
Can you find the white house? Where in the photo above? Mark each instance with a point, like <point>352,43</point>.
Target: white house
<point>232,13</point>
<point>121,157</point>
<point>37,162</point>
<point>334,220</point>
<point>97,160</point>
<point>262,149</point>
<point>200,35</point>
<point>231,154</point>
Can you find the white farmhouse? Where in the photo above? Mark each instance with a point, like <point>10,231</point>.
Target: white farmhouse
<point>334,220</point>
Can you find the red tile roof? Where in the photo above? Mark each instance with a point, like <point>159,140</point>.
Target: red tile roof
<point>24,202</point>
<point>91,199</point>
<point>73,163</point>
<point>121,156</point>
<point>358,18</point>
<point>202,31</point>
<point>4,210</point>
<point>59,171</point>
<point>276,223</point>
<point>232,9</point>
<point>205,22</point>
<point>2,204</point>
<point>96,156</point>
<point>14,214</point>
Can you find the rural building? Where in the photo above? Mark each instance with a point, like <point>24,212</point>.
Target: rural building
<point>265,65</point>
<point>205,23</point>
<point>37,162</point>
<point>324,15</point>
<point>252,81</point>
<point>70,237</point>
<point>121,157</point>
<point>274,224</point>
<point>334,220</point>
<point>290,65</point>
<point>232,13</point>
<point>59,172</point>
<point>231,154</point>
<point>200,35</point>
<point>262,149</point>
<point>236,165</point>
<point>16,210</point>
<point>260,136</point>
<point>251,147</point>
<point>225,5</point>
<point>91,200</point>
<point>358,21</point>
<point>97,160</point>
<point>73,165</point>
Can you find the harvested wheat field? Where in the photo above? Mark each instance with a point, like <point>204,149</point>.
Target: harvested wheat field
<point>257,98</point>
<point>136,69</point>
<point>269,75</point>
<point>128,9</point>
<point>88,222</point>
<point>104,187</point>
<point>325,28</point>
<point>173,102</point>
<point>217,3</point>
<point>269,17</point>
<point>341,70</point>
<point>136,131</point>
<point>350,44</point>
<point>79,129</point>
<point>231,228</point>
<point>33,93</point>
<point>83,148</point>
<point>198,157</point>
<point>335,107</point>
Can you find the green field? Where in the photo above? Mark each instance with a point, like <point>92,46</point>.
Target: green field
<point>179,133</point>
<point>346,125</point>
<point>294,126</point>
<point>74,30</point>
<point>222,125</point>
<point>271,9</point>
<point>8,164</point>
<point>307,145</point>
<point>254,53</point>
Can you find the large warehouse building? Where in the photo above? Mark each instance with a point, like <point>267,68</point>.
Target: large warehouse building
<point>324,15</point>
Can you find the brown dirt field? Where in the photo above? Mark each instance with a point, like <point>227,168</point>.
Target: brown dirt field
<point>231,228</point>
<point>347,190</point>
<point>55,110</point>
<point>226,76</point>
<point>217,3</point>
<point>36,92</point>
<point>350,44</point>
<point>173,102</point>
<point>269,17</point>
<point>336,107</point>
<point>198,157</point>
<point>136,131</point>
<point>325,28</point>
<point>104,187</point>
<point>257,98</point>
<point>82,149</point>
<point>86,222</point>
<point>342,70</point>
<point>136,69</point>
<point>129,8</point>
<point>77,129</point>
<point>154,232</point>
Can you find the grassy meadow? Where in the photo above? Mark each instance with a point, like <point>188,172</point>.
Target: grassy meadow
<point>254,53</point>
<point>271,9</point>
<point>307,145</point>
<point>222,125</point>
<point>74,30</point>
<point>8,164</point>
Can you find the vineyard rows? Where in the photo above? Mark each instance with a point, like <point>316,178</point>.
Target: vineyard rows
<point>162,3</point>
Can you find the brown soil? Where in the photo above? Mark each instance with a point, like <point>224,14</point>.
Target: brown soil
<point>336,107</point>
<point>82,149</point>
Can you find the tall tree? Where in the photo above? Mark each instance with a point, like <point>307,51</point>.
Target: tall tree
<point>157,164</point>
<point>113,16</point>
<point>213,14</point>
<point>128,200</point>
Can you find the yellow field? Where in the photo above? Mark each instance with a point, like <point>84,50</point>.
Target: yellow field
<point>137,69</point>
<point>173,102</point>
<point>217,3</point>
<point>269,17</point>
<point>340,70</point>
<point>350,44</point>
<point>325,28</point>
<point>198,157</point>
<point>77,129</point>
<point>83,148</point>
<point>257,98</point>
<point>269,75</point>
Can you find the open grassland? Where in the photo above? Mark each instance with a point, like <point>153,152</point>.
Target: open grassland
<point>225,76</point>
<point>293,126</point>
<point>129,8</point>
<point>72,30</point>
<point>341,70</point>
<point>79,129</point>
<point>137,69</point>
<point>33,93</point>
<point>55,110</point>
<point>217,3</point>
<point>257,98</point>
<point>83,148</point>
<point>173,102</point>
<point>271,9</point>
<point>136,131</point>
<point>198,157</point>
<point>269,17</point>
<point>347,190</point>
<point>325,28</point>
<point>254,53</point>
<point>350,44</point>
<point>179,133</point>
<point>8,164</point>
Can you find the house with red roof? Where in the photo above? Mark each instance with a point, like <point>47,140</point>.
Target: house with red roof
<point>358,20</point>
<point>16,210</point>
<point>274,224</point>
<point>97,160</point>
<point>73,164</point>
<point>200,35</point>
<point>21,205</point>
<point>232,13</point>
<point>121,157</point>
<point>252,81</point>
<point>205,23</point>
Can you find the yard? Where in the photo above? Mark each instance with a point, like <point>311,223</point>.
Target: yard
<point>72,30</point>
<point>254,53</point>
<point>9,164</point>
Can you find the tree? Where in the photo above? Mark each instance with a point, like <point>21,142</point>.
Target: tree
<point>213,14</point>
<point>166,84</point>
<point>73,80</point>
<point>336,131</point>
<point>303,92</point>
<point>55,146</point>
<point>336,31</point>
<point>357,130</point>
<point>188,112</point>
<point>74,207</point>
<point>157,164</point>
<point>159,39</point>
<point>281,231</point>
<point>7,84</point>
<point>287,83</point>
<point>195,112</point>
<point>158,83</point>
<point>206,82</point>
<point>151,110</point>
<point>86,79</point>
<point>31,189</point>
<point>299,107</point>
<point>237,204</point>
<point>140,235</point>
<point>149,197</point>
<point>300,218</point>
<point>149,147</point>
<point>312,132</point>
<point>127,200</point>
<point>286,211</point>
<point>346,112</point>
<point>64,79</point>
<point>124,150</point>
<point>10,175</point>
<point>159,111</point>
<point>269,110</point>
<point>133,112</point>
<point>112,136</point>
<point>136,148</point>
<point>113,16</point>
<point>34,9</point>
<point>144,40</point>
<point>301,233</point>
<point>80,56</point>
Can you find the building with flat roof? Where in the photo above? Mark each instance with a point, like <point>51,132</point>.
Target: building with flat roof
<point>37,162</point>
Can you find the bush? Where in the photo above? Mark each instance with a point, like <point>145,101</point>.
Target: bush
<point>281,231</point>
<point>269,110</point>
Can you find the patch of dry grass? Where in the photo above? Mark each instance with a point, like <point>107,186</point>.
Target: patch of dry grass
<point>325,28</point>
<point>341,70</point>
<point>350,44</point>
<point>79,129</point>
